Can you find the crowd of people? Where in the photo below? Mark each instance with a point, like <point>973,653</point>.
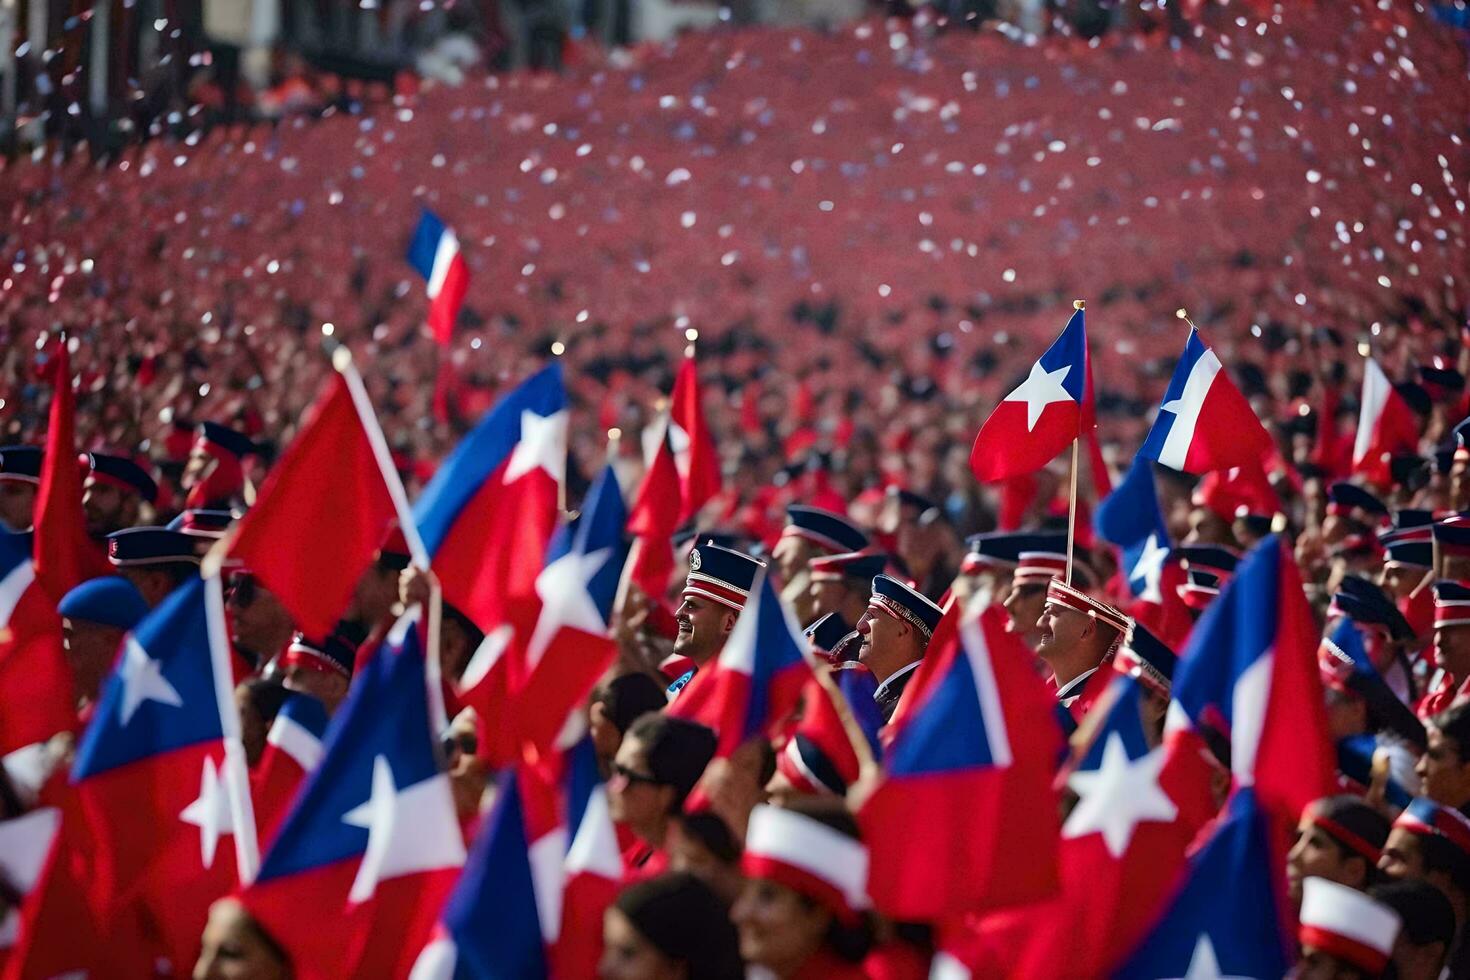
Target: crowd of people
<point>864,240</point>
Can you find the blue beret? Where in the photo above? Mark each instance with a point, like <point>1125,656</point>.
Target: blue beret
<point>1148,658</point>
<point>150,546</point>
<point>908,604</point>
<point>122,472</point>
<point>1350,496</point>
<point>1368,605</point>
<point>20,463</point>
<point>825,529</point>
<point>721,574</point>
<point>235,443</point>
<point>109,601</point>
<point>828,632</point>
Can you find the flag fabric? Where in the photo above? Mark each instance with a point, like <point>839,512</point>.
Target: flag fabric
<point>756,681</point>
<point>293,749</point>
<point>505,908</point>
<point>486,519</point>
<point>65,556</point>
<point>434,252</point>
<point>372,844</point>
<point>593,867</point>
<point>1249,673</point>
<point>694,447</point>
<point>160,772</point>
<point>1041,416</point>
<point>654,518</point>
<point>570,645</point>
<point>33,668</point>
<point>1386,426</point>
<point>1204,423</point>
<point>327,489</point>
<point>1226,920</point>
<point>974,753</point>
<point>27,845</point>
<point>1131,519</point>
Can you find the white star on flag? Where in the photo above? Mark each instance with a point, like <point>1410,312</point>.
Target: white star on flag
<point>1150,568</point>
<point>409,830</point>
<point>1040,389</point>
<point>1117,796</point>
<point>210,812</point>
<point>543,444</point>
<point>1204,964</point>
<point>565,601</point>
<point>486,655</point>
<point>143,680</point>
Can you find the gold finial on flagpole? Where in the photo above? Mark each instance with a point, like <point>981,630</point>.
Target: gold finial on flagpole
<point>1183,314</point>
<point>558,348</point>
<point>1079,304</point>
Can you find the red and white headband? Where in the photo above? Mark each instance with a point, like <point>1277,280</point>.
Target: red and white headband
<point>809,857</point>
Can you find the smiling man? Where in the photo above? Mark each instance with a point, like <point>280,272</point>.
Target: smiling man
<point>1078,635</point>
<point>895,632</point>
<point>715,591</point>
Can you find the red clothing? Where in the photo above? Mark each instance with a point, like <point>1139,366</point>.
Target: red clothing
<point>823,965</point>
<point>642,861</point>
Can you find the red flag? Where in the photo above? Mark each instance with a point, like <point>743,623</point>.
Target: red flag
<point>694,447</point>
<point>64,555</point>
<point>654,517</point>
<point>321,514</point>
<point>35,678</point>
<point>1386,426</point>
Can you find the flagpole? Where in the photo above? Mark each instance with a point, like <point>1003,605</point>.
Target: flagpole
<point>558,348</point>
<point>1078,305</point>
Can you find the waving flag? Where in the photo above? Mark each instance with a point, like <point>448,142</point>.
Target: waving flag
<point>33,668</point>
<point>756,681</point>
<point>1386,426</point>
<point>570,645</point>
<point>486,518</point>
<point>1042,416</point>
<point>1205,423</point>
<point>293,749</point>
<point>1226,921</point>
<point>974,754</point>
<point>654,518</point>
<point>593,866</point>
<point>160,772</point>
<point>1130,518</point>
<point>693,445</point>
<point>1249,673</point>
<point>434,252</point>
<point>65,557</point>
<point>372,844</point>
<point>329,485</point>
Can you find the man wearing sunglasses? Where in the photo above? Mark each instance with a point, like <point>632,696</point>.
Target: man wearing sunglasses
<point>260,627</point>
<point>657,765</point>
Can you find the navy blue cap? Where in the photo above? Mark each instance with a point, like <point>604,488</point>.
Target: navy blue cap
<point>1005,547</point>
<point>1211,558</point>
<point>826,530</point>
<point>21,463</point>
<point>1368,605</point>
<point>900,600</point>
<point>335,654</point>
<point>1453,536</point>
<point>1408,518</point>
<point>1442,383</point>
<point>108,601</point>
<point>203,523</point>
<point>1148,658</point>
<point>1414,394</point>
<point>121,472</point>
<point>136,546</point>
<point>721,574</point>
<point>828,633</point>
<point>910,499</point>
<point>1451,604</point>
<point>858,564</point>
<point>1409,551</point>
<point>725,539</point>
<point>237,444</point>
<point>1343,496</point>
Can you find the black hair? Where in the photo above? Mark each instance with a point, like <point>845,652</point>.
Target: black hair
<point>266,696</point>
<point>630,696</point>
<point>677,750</point>
<point>1440,854</point>
<point>713,834</point>
<point>686,921</point>
<point>1427,913</point>
<point>1454,724</point>
<point>474,636</point>
<point>1355,816</point>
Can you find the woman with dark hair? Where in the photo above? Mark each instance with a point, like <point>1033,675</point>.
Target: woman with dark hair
<point>803,913</point>
<point>669,928</point>
<point>235,947</point>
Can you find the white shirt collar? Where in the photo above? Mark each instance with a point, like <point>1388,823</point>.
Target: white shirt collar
<point>1074,687</point>
<point>905,669</point>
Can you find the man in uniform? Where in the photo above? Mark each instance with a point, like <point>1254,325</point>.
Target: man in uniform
<point>94,617</point>
<point>810,532</point>
<point>895,631</point>
<point>114,492</point>
<point>1034,571</point>
<point>20,478</point>
<point>715,591</point>
<point>155,559</point>
<point>215,475</point>
<point>1078,635</point>
<point>841,584</point>
<point>322,669</point>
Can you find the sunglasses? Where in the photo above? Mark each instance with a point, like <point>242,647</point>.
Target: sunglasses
<point>465,742</point>
<point>633,778</point>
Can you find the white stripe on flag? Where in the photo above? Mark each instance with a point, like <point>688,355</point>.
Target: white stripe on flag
<point>291,737</point>
<point>1375,396</point>
<point>444,254</point>
<point>1186,409</point>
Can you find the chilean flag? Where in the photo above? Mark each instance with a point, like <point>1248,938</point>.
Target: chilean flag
<point>755,683</point>
<point>570,645</point>
<point>1205,423</point>
<point>1042,416</point>
<point>1131,519</point>
<point>434,252</point>
<point>1226,921</point>
<point>33,668</point>
<point>1386,425</point>
<point>486,518</point>
<point>293,749</point>
<point>372,845</point>
<point>974,755</point>
<point>1249,674</point>
<point>160,772</point>
<point>593,865</point>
